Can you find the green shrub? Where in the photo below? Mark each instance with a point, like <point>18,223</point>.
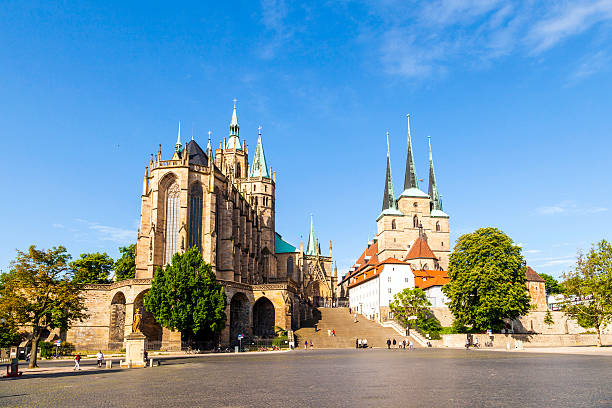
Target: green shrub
<point>430,326</point>
<point>66,349</point>
<point>46,349</point>
<point>280,341</point>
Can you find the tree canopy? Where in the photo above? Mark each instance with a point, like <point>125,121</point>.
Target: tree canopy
<point>186,296</point>
<point>92,268</point>
<point>410,304</point>
<point>39,291</point>
<point>588,288</point>
<point>552,285</point>
<point>487,280</point>
<point>125,267</point>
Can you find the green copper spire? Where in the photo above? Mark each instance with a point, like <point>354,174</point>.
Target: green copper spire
<point>311,249</point>
<point>410,179</point>
<point>389,194</point>
<point>436,202</point>
<point>177,146</point>
<point>259,167</point>
<point>234,141</point>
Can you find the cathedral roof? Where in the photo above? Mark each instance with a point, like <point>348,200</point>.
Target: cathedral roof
<point>196,154</point>
<point>420,250</point>
<point>532,276</point>
<point>259,167</point>
<point>281,246</point>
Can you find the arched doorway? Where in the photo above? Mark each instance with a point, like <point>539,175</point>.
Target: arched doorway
<point>239,317</point>
<point>263,318</point>
<point>116,327</point>
<point>148,326</point>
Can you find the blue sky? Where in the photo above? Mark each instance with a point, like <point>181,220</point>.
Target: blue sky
<point>516,98</point>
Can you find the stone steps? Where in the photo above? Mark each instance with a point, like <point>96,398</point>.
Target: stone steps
<point>340,320</point>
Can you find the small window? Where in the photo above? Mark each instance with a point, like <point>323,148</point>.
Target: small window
<point>415,222</point>
<point>392,224</point>
<point>407,280</point>
<point>389,290</point>
<point>389,279</point>
<point>266,187</point>
<point>415,204</point>
<point>438,226</point>
<point>442,243</point>
<point>254,188</point>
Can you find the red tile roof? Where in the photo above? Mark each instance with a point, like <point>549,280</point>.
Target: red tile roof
<point>532,276</point>
<point>428,278</point>
<point>420,250</point>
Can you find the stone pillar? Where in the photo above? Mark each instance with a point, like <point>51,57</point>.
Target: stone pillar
<point>135,344</point>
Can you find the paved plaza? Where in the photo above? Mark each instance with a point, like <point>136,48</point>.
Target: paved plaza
<point>340,378</point>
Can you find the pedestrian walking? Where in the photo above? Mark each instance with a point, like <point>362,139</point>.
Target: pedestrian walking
<point>100,357</point>
<point>404,344</point>
<point>333,333</point>
<point>388,344</point>
<point>355,318</point>
<point>311,346</point>
<point>77,360</point>
<point>306,345</point>
<point>394,342</point>
<point>411,345</point>
<point>467,344</point>
<point>365,343</point>
<point>328,332</point>
<point>356,343</point>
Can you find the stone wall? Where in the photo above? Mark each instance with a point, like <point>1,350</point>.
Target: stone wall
<point>529,340</point>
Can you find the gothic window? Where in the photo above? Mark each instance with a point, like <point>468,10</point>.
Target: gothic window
<point>256,203</point>
<point>195,216</point>
<point>238,174</point>
<point>438,226</point>
<point>415,222</point>
<point>392,224</point>
<point>172,221</point>
<point>290,267</point>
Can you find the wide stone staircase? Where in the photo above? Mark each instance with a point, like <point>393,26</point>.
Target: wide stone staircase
<point>340,320</point>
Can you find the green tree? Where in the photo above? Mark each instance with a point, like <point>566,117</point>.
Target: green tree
<point>487,280</point>
<point>9,335</point>
<point>548,319</point>
<point>552,285</point>
<point>186,296</point>
<point>92,268</point>
<point>39,291</point>
<point>409,305</point>
<point>125,267</point>
<point>590,284</point>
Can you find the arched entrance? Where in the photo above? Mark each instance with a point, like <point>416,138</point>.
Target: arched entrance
<point>263,318</point>
<point>149,327</point>
<point>239,317</point>
<point>116,327</point>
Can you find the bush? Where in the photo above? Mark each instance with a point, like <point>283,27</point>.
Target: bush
<point>66,349</point>
<point>46,349</point>
<point>281,341</point>
<point>430,326</point>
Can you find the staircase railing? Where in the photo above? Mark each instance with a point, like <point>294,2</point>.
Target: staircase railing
<point>414,333</point>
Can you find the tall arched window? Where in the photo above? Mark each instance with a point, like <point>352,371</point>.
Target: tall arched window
<point>438,226</point>
<point>195,216</point>
<point>238,172</point>
<point>172,221</point>
<point>393,226</point>
<point>290,267</point>
<point>415,222</point>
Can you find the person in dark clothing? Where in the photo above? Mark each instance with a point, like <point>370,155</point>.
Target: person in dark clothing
<point>388,343</point>
<point>356,343</point>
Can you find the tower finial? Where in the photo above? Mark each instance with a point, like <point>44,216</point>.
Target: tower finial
<point>311,249</point>
<point>389,193</point>
<point>233,141</point>
<point>177,146</point>
<point>410,179</point>
<point>436,202</point>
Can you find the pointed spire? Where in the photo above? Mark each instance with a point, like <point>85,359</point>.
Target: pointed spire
<point>259,167</point>
<point>389,194</point>
<point>177,146</point>
<point>209,147</point>
<point>436,202</point>
<point>410,180</point>
<point>311,249</point>
<point>234,140</point>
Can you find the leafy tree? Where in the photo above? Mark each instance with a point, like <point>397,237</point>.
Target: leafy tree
<point>548,318</point>
<point>552,286</point>
<point>186,296</point>
<point>409,305</point>
<point>589,285</point>
<point>487,280</point>
<point>92,268</point>
<point>125,267</point>
<point>430,325</point>
<point>9,335</point>
<point>39,292</point>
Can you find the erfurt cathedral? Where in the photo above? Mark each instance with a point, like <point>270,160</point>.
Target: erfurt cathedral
<point>225,206</point>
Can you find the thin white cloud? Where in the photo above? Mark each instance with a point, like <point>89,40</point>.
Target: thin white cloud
<point>554,261</point>
<point>60,226</point>
<point>569,207</point>
<point>273,17</point>
<point>533,251</point>
<point>110,233</point>
<point>591,65</point>
<point>569,19</point>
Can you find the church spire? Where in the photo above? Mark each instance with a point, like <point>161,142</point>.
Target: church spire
<point>259,167</point>
<point>389,194</point>
<point>234,140</point>
<point>410,180</point>
<point>436,202</point>
<point>209,147</point>
<point>177,146</point>
<point>311,249</point>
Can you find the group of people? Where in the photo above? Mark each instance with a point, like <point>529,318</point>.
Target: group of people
<point>401,344</point>
<point>306,344</point>
<point>331,332</point>
<point>77,360</point>
<point>361,343</point>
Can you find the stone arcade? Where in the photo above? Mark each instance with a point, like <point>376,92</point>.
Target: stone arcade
<point>226,208</point>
